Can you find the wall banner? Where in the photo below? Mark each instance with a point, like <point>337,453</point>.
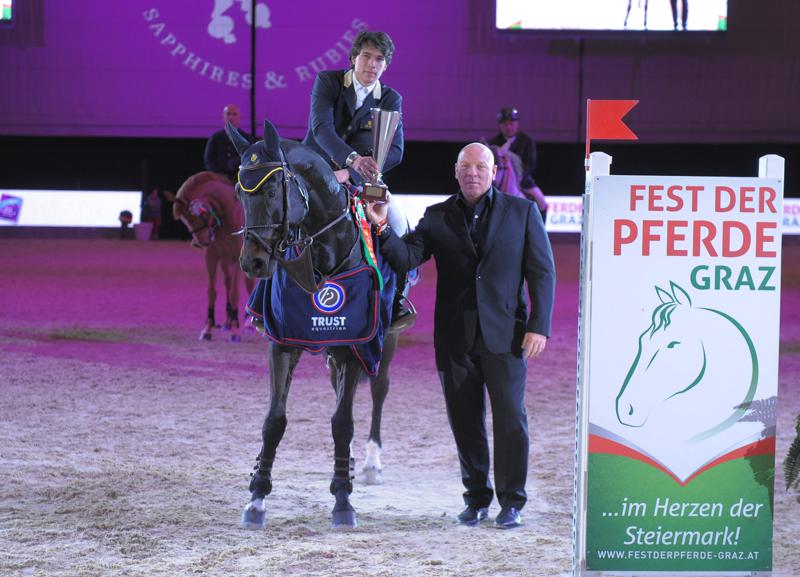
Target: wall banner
<point>679,374</point>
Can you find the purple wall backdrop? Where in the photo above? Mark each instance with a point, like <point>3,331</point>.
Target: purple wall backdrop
<point>166,68</point>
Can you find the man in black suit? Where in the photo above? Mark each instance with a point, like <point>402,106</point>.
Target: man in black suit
<point>486,245</point>
<point>340,121</point>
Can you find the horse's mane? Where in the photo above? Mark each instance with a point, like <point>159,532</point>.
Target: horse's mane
<point>310,166</point>
<point>198,179</point>
<point>192,183</point>
<point>662,316</point>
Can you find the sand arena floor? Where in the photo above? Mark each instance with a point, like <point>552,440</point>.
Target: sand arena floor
<point>126,444</point>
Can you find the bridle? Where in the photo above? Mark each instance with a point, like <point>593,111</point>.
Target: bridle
<point>291,235</point>
<point>208,219</point>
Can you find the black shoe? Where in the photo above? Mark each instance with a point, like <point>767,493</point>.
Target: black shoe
<point>473,515</point>
<point>508,518</point>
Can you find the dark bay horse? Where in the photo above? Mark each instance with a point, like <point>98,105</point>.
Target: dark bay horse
<point>206,203</point>
<point>291,199</point>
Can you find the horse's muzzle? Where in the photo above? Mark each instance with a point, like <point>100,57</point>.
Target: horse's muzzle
<point>258,267</point>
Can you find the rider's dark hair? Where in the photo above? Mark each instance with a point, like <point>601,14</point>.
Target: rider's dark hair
<point>379,40</point>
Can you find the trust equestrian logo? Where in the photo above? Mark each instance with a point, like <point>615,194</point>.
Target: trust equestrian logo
<point>223,23</point>
<point>330,298</point>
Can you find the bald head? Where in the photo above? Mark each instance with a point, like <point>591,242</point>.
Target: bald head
<point>475,171</point>
<point>232,114</point>
<point>476,148</point>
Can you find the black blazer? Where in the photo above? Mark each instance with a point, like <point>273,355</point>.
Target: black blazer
<point>336,128</point>
<point>516,249</point>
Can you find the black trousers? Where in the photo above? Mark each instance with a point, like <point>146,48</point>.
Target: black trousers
<point>465,378</point>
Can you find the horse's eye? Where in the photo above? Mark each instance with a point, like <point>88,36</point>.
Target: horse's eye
<point>272,193</point>
<point>673,344</point>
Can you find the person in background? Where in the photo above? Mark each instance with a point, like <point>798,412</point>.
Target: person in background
<point>487,246</point>
<point>510,139</point>
<point>684,13</point>
<point>220,156</point>
<point>151,212</point>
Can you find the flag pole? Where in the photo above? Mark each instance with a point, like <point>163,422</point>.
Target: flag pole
<point>587,162</point>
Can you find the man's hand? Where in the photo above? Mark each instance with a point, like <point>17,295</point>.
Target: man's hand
<point>377,211</point>
<point>533,344</point>
<point>366,167</point>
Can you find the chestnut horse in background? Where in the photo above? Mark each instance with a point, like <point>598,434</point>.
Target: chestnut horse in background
<point>206,203</point>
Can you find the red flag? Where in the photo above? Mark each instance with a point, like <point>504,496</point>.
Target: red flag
<point>604,119</point>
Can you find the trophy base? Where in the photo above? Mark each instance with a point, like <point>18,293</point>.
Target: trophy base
<point>374,192</point>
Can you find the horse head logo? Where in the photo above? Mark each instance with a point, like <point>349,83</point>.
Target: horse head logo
<point>696,367</point>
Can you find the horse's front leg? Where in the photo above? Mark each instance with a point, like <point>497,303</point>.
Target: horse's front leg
<point>210,259</point>
<point>348,372</point>
<point>282,362</point>
<point>372,473</point>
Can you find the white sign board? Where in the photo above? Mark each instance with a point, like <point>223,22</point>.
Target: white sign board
<point>679,374</point>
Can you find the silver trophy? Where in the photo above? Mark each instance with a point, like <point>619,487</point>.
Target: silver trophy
<point>384,125</point>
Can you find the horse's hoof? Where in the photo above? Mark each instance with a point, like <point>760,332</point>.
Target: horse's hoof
<point>372,476</point>
<point>346,518</point>
<point>236,339</point>
<point>254,515</point>
<point>204,336</point>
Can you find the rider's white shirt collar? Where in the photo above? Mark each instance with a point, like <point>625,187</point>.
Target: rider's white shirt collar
<point>362,91</point>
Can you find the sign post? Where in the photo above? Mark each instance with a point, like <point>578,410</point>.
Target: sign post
<point>678,373</point>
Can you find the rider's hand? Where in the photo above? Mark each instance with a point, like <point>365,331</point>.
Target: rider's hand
<point>377,211</point>
<point>366,167</point>
<point>342,175</point>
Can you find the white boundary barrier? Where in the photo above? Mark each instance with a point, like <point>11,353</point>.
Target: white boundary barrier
<point>68,208</point>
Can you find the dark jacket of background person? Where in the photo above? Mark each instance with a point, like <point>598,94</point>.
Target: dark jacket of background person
<point>336,128</point>
<point>515,249</point>
<point>221,157</point>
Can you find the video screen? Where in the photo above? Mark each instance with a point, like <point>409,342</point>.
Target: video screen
<point>7,9</point>
<point>613,15</point>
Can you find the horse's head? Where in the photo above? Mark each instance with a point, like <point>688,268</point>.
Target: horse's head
<point>273,199</point>
<point>197,211</point>
<point>670,346</point>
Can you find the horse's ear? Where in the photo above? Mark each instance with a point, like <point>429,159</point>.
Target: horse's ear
<point>271,139</point>
<point>664,296</point>
<point>240,143</point>
<point>681,296</point>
